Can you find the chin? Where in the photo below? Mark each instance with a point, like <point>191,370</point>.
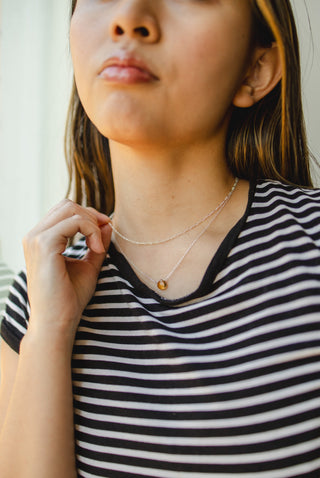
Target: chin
<point>125,120</point>
<point>129,135</point>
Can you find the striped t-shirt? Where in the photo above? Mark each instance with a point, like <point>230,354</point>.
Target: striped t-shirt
<point>222,383</point>
<point>6,278</point>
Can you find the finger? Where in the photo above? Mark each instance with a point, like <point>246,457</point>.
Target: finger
<point>101,217</point>
<point>56,238</point>
<point>106,233</point>
<point>97,259</point>
<point>68,208</point>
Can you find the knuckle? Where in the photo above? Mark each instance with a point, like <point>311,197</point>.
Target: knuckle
<point>28,237</point>
<point>32,241</point>
<point>61,204</point>
<point>77,217</point>
<point>91,209</point>
<point>69,205</point>
<point>65,202</point>
<point>73,209</point>
<point>38,240</point>
<point>91,214</point>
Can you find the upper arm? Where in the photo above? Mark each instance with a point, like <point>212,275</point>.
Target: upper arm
<point>8,367</point>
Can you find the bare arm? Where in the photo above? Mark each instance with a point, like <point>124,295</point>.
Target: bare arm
<point>36,403</point>
<point>8,368</point>
<point>37,433</point>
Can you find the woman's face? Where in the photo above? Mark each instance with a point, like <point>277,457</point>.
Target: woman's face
<point>160,71</point>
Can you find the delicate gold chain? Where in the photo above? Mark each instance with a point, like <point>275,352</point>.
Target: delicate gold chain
<point>181,233</point>
<point>162,284</point>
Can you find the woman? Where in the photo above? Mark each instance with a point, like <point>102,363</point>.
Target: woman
<point>191,349</point>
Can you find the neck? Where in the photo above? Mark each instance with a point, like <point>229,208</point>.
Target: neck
<point>159,193</point>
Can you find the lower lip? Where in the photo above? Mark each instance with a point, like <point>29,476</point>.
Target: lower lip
<point>126,75</point>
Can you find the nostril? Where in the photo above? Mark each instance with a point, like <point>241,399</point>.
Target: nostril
<point>119,30</point>
<point>144,32</point>
<point>141,31</point>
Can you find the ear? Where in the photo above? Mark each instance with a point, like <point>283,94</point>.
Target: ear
<point>262,76</point>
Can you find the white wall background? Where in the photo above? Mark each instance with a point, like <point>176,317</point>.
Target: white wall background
<point>35,78</point>
<point>307,14</point>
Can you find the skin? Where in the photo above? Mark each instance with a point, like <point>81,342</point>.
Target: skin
<point>162,161</point>
<point>167,140</point>
<point>188,78</point>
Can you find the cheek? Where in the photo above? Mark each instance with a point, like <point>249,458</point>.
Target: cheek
<point>77,48</point>
<point>83,47</point>
<point>209,76</point>
<point>207,71</point>
<point>219,63</point>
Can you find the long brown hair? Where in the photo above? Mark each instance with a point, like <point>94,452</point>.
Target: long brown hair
<point>266,141</point>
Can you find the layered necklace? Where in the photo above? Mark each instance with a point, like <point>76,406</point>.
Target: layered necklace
<point>162,283</point>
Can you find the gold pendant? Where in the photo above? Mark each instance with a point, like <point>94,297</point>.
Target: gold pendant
<point>162,284</point>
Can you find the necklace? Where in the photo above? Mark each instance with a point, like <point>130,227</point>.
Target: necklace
<point>162,284</point>
<point>181,233</point>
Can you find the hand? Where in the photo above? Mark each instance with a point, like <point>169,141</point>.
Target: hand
<point>59,288</point>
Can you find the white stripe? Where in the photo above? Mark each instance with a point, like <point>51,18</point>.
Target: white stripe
<point>207,389</point>
<point>268,215</point>
<point>193,424</point>
<point>265,346</point>
<point>272,186</point>
<point>16,309</point>
<point>279,225</point>
<point>14,323</point>
<point>301,257</point>
<point>283,190</point>
<point>107,293</point>
<point>236,440</point>
<point>284,203</point>
<point>210,373</point>
<point>236,339</point>
<point>188,458</point>
<point>15,293</point>
<point>151,472</point>
<point>227,405</point>
<point>231,288</point>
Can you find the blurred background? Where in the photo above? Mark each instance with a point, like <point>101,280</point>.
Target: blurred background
<point>35,81</point>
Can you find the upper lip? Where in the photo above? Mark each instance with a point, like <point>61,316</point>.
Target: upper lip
<point>127,61</point>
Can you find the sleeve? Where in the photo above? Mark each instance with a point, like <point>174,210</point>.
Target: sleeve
<point>16,315</point>
<point>6,278</point>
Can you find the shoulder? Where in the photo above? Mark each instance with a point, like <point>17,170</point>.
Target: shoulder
<point>268,192</point>
<point>273,199</point>
<point>286,212</point>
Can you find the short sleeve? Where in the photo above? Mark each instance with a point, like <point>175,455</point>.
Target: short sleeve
<point>16,314</point>
<point>6,278</point>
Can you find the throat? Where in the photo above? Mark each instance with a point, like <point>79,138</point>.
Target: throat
<point>174,265</point>
<point>207,220</point>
